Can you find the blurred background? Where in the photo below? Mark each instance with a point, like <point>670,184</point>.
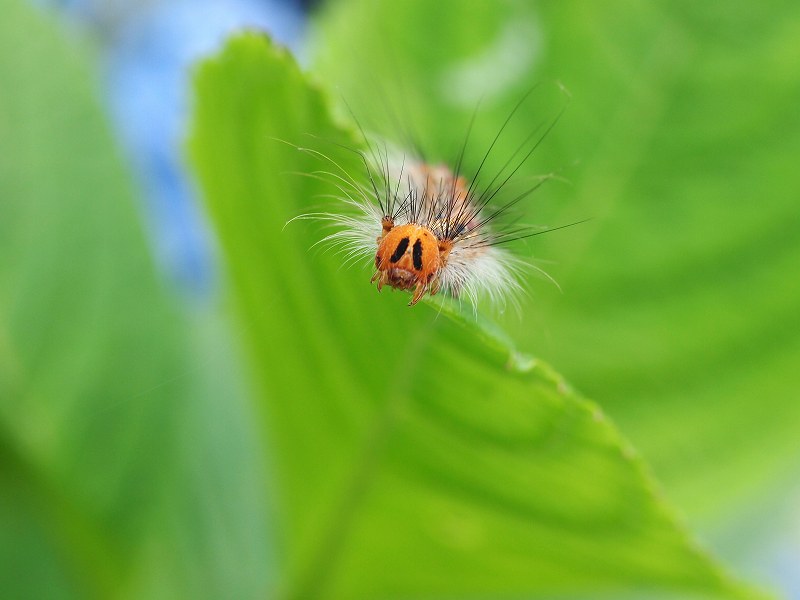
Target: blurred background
<point>680,311</point>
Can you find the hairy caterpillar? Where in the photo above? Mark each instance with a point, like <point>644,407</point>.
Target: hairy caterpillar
<point>428,228</point>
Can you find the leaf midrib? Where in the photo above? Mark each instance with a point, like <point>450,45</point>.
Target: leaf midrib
<point>316,574</point>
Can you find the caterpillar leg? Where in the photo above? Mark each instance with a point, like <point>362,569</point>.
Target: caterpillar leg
<point>419,292</point>
<point>381,277</point>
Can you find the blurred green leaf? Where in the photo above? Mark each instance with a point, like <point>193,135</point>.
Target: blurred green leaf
<point>680,306</point>
<point>114,479</point>
<point>410,459</point>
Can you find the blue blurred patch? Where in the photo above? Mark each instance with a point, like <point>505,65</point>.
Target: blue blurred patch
<point>149,48</point>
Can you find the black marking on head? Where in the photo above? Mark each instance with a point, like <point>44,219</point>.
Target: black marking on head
<point>418,254</point>
<point>402,245</point>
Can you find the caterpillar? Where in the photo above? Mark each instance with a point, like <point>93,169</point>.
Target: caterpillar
<point>427,228</point>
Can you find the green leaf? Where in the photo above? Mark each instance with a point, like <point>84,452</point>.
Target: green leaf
<point>411,457</point>
<point>111,459</point>
<point>679,312</point>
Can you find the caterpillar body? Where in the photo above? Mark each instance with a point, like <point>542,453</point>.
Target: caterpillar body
<point>427,228</point>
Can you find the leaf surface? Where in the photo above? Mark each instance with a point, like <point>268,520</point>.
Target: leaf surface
<point>123,474</point>
<point>412,458</point>
<point>679,306</point>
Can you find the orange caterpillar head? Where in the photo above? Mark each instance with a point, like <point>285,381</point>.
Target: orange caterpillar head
<point>410,257</point>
